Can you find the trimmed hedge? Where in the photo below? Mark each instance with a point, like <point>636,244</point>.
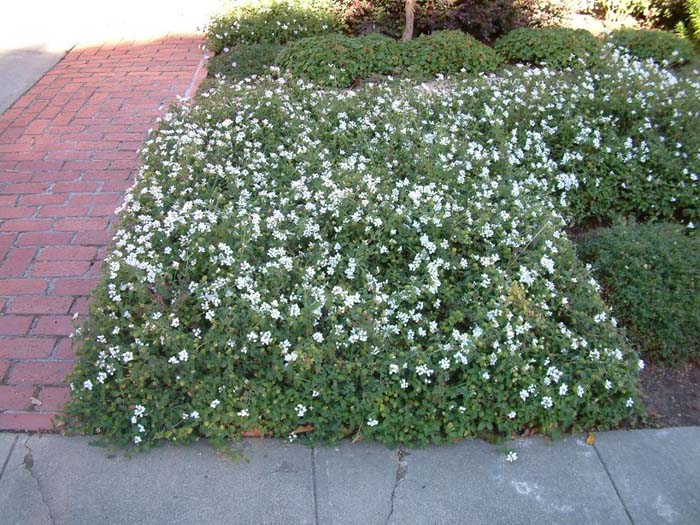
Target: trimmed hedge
<point>651,274</point>
<point>555,47</point>
<point>660,46</point>
<point>449,52</point>
<point>338,60</point>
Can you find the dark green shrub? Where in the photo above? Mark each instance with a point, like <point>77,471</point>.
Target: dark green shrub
<point>273,21</point>
<point>651,274</point>
<point>554,47</point>
<point>244,61</point>
<point>338,60</point>
<point>449,52</point>
<point>660,46</point>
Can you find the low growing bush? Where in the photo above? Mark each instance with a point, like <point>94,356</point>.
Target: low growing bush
<point>338,60</point>
<point>272,21</point>
<point>651,274</point>
<point>448,52</point>
<point>660,46</point>
<point>555,47</point>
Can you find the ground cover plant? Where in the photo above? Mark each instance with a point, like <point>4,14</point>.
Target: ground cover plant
<point>651,273</point>
<point>389,261</point>
<point>243,61</point>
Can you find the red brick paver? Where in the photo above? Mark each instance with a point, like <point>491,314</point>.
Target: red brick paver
<point>68,151</point>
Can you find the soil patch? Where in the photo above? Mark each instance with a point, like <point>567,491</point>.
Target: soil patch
<point>671,395</point>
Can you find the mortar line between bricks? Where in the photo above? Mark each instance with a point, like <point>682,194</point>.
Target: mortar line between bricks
<point>9,455</point>
<point>612,481</point>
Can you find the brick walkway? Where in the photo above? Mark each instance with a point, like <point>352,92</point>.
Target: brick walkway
<point>68,151</point>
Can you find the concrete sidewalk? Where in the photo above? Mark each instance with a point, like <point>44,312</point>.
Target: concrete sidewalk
<point>34,36</point>
<point>643,476</point>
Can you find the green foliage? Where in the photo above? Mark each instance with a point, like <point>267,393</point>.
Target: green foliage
<point>338,60</point>
<point>244,61</point>
<point>555,47</point>
<point>660,46</point>
<point>544,13</point>
<point>651,274</point>
<point>272,21</point>
<point>449,52</point>
<point>693,23</point>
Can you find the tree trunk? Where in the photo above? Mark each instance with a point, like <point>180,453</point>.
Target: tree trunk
<point>410,16</point>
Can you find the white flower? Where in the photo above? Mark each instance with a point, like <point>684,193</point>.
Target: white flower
<point>318,337</point>
<point>175,322</point>
<point>547,264</point>
<point>194,414</point>
<point>563,389</point>
<point>243,413</point>
<point>182,355</point>
<point>137,440</point>
<point>511,456</point>
<point>393,368</point>
<point>300,410</point>
<point>512,414</point>
<point>87,385</point>
<point>372,422</point>
<point>215,403</point>
<point>629,403</point>
<point>547,402</point>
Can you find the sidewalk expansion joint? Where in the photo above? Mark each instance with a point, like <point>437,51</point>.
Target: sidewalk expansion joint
<point>315,488</point>
<point>612,481</point>
<point>9,455</point>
